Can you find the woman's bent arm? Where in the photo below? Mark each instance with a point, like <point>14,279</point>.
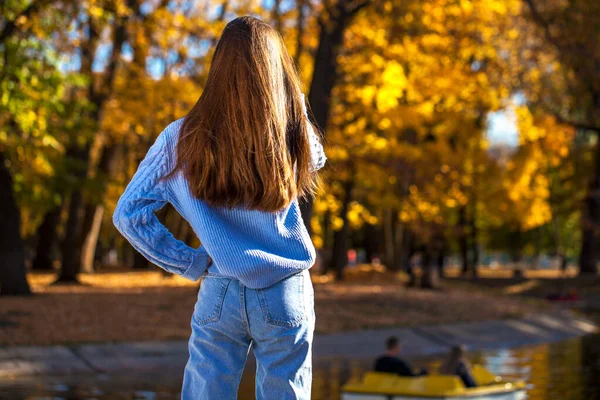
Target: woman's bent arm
<point>134,217</point>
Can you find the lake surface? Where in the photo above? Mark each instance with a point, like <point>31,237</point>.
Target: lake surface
<point>568,370</point>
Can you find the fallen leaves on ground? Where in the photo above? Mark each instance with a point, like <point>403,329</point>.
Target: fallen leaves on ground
<point>127,306</point>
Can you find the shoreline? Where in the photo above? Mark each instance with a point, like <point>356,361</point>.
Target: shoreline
<point>148,356</point>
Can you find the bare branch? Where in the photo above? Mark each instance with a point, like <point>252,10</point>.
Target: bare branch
<point>584,126</point>
<point>300,33</point>
<point>276,16</point>
<point>545,25</point>
<point>576,124</point>
<point>355,6</point>
<point>120,36</point>
<point>223,11</point>
<point>220,18</point>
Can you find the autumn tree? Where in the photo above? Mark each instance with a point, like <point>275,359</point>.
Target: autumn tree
<point>31,103</point>
<point>158,38</point>
<point>333,21</point>
<point>564,61</point>
<point>419,84</point>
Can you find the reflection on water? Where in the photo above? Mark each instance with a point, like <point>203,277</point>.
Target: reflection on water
<point>568,370</point>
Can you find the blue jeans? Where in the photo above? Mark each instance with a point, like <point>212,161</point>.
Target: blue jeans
<point>277,321</point>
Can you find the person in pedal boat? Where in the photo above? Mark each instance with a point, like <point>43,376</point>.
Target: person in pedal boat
<point>391,362</point>
<point>457,364</point>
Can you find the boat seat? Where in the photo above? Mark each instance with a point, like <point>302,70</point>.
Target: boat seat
<point>483,376</point>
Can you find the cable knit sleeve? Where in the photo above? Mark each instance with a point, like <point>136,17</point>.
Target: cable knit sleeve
<point>317,154</point>
<point>134,217</point>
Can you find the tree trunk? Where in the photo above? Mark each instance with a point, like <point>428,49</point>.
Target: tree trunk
<point>398,242</point>
<point>558,246</point>
<point>340,238</point>
<point>325,74</point>
<point>78,226</point>
<point>72,240</point>
<point>370,241</point>
<point>388,234</point>
<point>276,16</point>
<point>463,240</point>
<point>393,228</point>
<point>306,210</point>
<point>300,4</point>
<point>47,239</point>
<point>591,222</point>
<point>409,246</point>
<point>517,255</point>
<point>441,256</point>
<point>94,213</point>
<point>71,252</point>
<point>85,230</point>
<point>429,275</point>
<point>474,241</point>
<point>326,251</point>
<point>91,241</point>
<point>13,280</point>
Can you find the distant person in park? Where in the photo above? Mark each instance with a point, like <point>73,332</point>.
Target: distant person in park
<point>391,362</point>
<point>564,263</point>
<point>458,365</point>
<point>234,167</point>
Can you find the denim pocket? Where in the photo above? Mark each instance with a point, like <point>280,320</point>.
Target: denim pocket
<point>284,303</point>
<point>210,299</point>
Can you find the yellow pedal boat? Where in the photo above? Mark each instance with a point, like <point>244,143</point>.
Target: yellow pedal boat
<point>382,386</point>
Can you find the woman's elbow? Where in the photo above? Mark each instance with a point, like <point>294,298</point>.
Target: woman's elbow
<point>120,221</point>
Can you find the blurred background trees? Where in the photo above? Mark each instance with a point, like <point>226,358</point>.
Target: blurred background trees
<point>407,93</point>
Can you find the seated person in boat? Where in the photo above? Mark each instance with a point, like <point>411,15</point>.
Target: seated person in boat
<point>391,362</point>
<point>458,365</point>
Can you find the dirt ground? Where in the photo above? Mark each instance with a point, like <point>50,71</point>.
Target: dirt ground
<point>126,305</point>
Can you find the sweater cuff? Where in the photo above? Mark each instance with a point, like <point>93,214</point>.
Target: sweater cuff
<point>199,264</point>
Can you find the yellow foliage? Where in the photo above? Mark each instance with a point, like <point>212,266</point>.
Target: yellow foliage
<point>407,118</point>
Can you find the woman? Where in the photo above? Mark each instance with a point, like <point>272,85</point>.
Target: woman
<point>234,168</point>
<point>458,365</point>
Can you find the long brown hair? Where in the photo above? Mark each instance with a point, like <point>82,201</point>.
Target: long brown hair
<point>245,142</point>
<point>456,357</point>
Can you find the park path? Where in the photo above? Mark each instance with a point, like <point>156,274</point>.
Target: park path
<point>171,356</point>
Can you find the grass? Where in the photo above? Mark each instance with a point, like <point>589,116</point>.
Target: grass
<point>126,305</point>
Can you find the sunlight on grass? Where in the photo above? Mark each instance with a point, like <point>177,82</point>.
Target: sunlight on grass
<point>521,287</point>
<point>113,280</point>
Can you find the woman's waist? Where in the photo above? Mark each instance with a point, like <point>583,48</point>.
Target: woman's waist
<point>257,276</point>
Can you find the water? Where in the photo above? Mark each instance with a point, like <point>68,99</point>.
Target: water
<point>568,370</point>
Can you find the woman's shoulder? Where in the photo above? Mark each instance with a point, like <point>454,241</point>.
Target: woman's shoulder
<point>169,137</point>
<point>171,132</point>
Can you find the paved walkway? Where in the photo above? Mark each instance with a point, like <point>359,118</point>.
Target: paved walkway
<point>170,356</point>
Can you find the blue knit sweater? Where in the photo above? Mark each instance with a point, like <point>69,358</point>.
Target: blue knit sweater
<point>257,248</point>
